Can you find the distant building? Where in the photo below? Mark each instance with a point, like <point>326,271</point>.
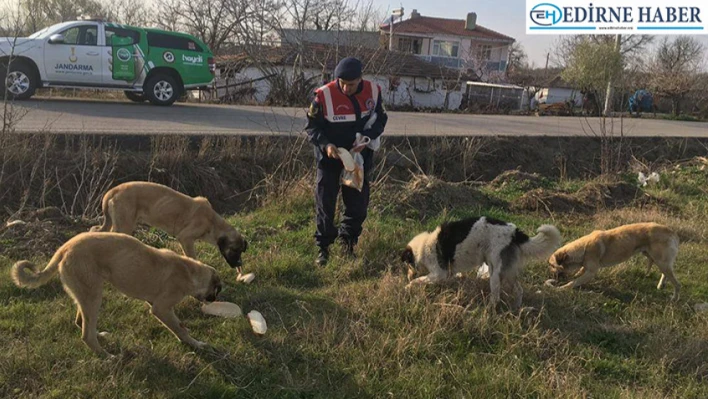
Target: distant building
<point>461,44</point>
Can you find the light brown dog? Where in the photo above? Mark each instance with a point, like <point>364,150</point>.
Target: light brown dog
<point>605,248</point>
<point>158,276</point>
<point>187,219</point>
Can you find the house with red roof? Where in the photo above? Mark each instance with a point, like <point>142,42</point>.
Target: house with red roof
<point>454,43</point>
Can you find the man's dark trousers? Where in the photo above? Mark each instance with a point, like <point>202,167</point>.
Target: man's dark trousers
<point>355,203</point>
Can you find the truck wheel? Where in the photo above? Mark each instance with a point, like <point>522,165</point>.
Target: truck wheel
<point>20,83</point>
<point>135,96</point>
<point>161,90</point>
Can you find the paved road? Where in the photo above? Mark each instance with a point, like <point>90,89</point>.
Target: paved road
<point>80,116</point>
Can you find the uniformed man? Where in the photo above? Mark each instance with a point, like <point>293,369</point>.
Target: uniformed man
<point>339,111</point>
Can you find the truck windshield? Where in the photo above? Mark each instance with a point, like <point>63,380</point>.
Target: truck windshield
<point>52,28</point>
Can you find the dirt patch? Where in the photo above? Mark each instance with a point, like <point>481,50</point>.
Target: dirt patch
<point>526,181</point>
<point>425,196</point>
<point>38,233</point>
<point>590,198</point>
<point>542,200</point>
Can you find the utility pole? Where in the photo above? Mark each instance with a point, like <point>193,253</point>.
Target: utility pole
<point>390,33</point>
<point>548,55</point>
<point>395,13</point>
<point>610,83</point>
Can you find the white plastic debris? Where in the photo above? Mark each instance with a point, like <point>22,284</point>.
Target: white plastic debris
<point>644,179</point>
<point>701,307</point>
<point>550,282</point>
<point>222,309</point>
<point>654,177</point>
<point>483,271</point>
<point>246,278</point>
<point>258,323</point>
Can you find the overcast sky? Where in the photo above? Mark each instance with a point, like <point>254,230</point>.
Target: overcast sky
<point>509,20</point>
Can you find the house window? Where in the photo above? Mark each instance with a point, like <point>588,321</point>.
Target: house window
<point>484,52</point>
<point>409,45</point>
<point>446,49</point>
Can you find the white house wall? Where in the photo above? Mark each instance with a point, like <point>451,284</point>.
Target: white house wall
<point>401,96</point>
<point>405,92</point>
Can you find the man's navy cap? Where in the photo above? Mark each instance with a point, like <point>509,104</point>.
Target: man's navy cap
<point>348,69</point>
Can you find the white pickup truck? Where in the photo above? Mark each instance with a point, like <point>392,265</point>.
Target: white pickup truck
<point>147,64</point>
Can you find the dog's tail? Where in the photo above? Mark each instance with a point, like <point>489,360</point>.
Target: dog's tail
<point>25,274</point>
<point>107,206</point>
<point>543,244</point>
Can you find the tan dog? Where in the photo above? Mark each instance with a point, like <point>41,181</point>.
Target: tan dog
<point>605,248</point>
<point>186,218</point>
<point>158,276</point>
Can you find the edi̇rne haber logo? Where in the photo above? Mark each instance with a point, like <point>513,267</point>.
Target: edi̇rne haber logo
<point>617,17</point>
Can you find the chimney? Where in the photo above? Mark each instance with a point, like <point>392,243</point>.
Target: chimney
<point>415,14</point>
<point>471,22</point>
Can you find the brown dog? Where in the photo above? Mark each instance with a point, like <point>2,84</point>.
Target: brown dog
<point>605,248</point>
<point>158,276</point>
<point>186,218</point>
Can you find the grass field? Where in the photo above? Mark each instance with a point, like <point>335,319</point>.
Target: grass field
<point>351,329</point>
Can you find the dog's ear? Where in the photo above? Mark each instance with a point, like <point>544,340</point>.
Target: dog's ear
<point>222,242</point>
<point>245,245</point>
<point>407,256</point>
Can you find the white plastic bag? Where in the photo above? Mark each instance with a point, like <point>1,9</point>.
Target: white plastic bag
<point>352,176</point>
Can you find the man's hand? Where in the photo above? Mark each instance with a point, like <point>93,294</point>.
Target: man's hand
<point>332,151</point>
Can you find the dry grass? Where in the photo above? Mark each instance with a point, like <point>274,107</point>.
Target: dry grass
<point>352,329</point>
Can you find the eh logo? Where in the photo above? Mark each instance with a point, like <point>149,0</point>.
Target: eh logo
<point>546,14</point>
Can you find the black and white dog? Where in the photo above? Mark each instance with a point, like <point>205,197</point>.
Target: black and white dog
<point>464,245</point>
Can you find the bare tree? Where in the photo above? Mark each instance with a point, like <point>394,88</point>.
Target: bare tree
<point>129,12</point>
<point>477,60</point>
<point>260,28</point>
<point>325,15</point>
<point>518,59</point>
<point>333,14</point>
<point>528,78</point>
<point>368,17</point>
<point>632,46</point>
<point>215,22</point>
<point>674,69</point>
<point>42,13</point>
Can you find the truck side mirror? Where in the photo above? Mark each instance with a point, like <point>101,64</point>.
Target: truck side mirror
<point>56,38</point>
